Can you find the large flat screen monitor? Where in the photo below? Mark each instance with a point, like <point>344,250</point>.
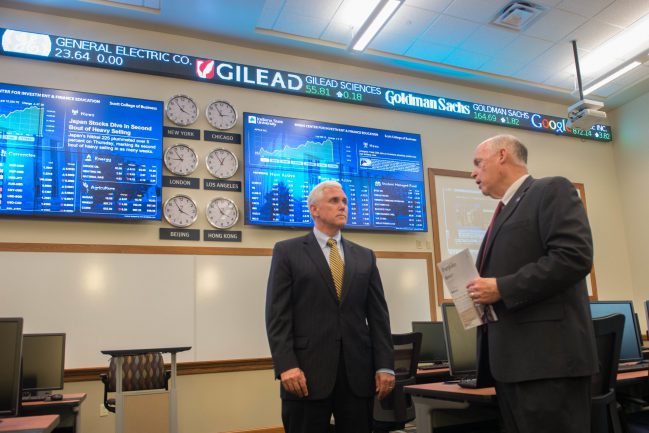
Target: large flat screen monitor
<point>11,338</point>
<point>381,172</point>
<point>461,343</point>
<point>43,363</point>
<point>630,350</point>
<point>79,155</point>
<point>433,345</point>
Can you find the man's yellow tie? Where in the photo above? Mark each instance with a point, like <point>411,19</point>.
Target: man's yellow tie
<point>337,266</point>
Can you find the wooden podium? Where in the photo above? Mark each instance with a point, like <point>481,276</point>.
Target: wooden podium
<point>119,395</point>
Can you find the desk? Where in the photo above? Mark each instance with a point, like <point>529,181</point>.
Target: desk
<point>433,375</point>
<point>430,398</point>
<point>68,409</point>
<point>29,424</point>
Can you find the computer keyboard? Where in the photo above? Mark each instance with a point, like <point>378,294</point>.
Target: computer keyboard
<point>34,397</point>
<point>432,365</point>
<point>632,366</point>
<point>468,382</point>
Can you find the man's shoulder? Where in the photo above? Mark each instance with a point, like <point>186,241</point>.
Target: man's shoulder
<point>357,247</point>
<point>551,182</point>
<point>292,242</point>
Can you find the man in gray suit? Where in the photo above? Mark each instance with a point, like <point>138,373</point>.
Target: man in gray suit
<point>327,324</point>
<point>532,263</point>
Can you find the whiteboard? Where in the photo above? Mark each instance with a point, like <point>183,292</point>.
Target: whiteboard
<point>214,303</point>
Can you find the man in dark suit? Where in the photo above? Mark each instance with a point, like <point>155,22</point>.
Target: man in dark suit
<point>327,324</point>
<point>532,263</point>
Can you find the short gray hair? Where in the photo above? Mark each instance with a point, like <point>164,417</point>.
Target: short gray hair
<point>512,144</point>
<point>316,193</point>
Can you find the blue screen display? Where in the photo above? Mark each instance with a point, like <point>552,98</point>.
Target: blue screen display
<point>381,172</point>
<point>81,155</point>
<point>630,350</point>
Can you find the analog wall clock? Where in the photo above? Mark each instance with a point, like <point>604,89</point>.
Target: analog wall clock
<point>181,159</point>
<point>182,110</point>
<point>222,163</point>
<point>222,213</point>
<point>221,115</point>
<point>180,210</point>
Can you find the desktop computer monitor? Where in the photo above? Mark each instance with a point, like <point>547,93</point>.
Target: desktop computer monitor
<point>461,344</point>
<point>630,350</point>
<point>43,363</point>
<point>433,345</point>
<point>11,338</point>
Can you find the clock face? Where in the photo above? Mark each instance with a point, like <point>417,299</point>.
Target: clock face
<point>181,159</point>
<point>180,211</point>
<point>221,115</point>
<point>222,213</point>
<point>222,163</point>
<point>182,110</point>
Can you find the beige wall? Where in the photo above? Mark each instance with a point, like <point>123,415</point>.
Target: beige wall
<point>632,159</point>
<point>228,401</point>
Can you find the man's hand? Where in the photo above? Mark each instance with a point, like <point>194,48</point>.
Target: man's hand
<point>483,291</point>
<point>384,384</point>
<point>294,381</point>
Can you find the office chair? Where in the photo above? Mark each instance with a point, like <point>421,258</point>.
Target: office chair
<point>139,372</point>
<point>605,417</point>
<point>395,410</point>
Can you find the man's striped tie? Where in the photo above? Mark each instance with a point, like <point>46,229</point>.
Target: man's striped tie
<point>337,266</point>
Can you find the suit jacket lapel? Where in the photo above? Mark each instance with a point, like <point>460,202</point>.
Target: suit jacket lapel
<point>350,267</point>
<point>506,212</point>
<point>314,252</point>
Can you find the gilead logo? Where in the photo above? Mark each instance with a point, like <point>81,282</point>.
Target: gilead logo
<point>558,126</point>
<point>205,68</point>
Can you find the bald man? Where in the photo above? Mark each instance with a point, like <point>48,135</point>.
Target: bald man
<point>533,262</point>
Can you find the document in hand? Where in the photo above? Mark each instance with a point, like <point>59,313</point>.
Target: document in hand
<point>457,271</point>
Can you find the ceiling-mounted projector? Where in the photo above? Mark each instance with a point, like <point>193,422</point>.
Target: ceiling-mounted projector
<point>585,113</point>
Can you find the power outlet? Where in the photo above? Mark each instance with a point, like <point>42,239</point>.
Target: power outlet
<point>419,244</point>
<point>102,410</point>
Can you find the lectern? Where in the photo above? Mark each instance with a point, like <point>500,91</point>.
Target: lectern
<point>119,396</point>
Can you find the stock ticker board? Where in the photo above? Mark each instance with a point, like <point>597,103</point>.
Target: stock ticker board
<point>76,51</point>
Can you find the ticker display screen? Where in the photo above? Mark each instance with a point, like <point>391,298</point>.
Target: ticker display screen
<point>381,172</point>
<point>81,155</point>
<point>65,49</point>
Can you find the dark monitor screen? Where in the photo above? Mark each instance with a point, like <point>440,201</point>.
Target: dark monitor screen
<point>630,350</point>
<point>381,172</point>
<point>11,337</point>
<point>43,362</point>
<point>461,344</point>
<point>433,345</point>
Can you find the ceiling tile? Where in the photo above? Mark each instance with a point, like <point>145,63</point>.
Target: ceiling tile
<point>554,25</point>
<point>269,13</point>
<point>506,67</point>
<point>623,13</point>
<point>410,21</point>
<point>338,32</point>
<point>449,31</point>
<point>592,34</point>
<point>467,59</point>
<point>429,51</point>
<point>300,25</point>
<point>322,9</point>
<point>585,8</point>
<point>547,3</point>
<point>480,11</point>
<point>488,40</point>
<point>524,48</point>
<point>354,12</point>
<point>534,73</point>
<point>431,5</point>
<point>391,43</point>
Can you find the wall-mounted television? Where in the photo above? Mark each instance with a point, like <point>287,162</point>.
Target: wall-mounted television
<point>381,172</point>
<point>80,155</point>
